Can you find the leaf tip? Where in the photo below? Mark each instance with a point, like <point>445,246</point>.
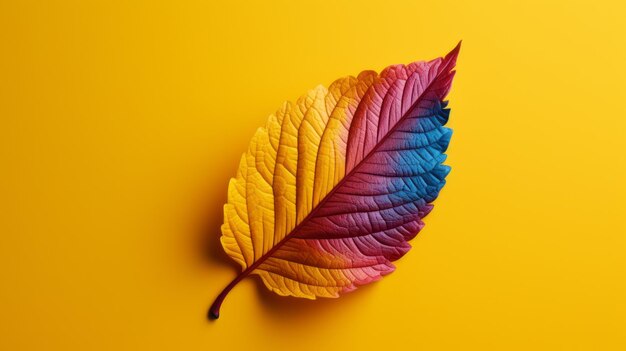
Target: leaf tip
<point>452,55</point>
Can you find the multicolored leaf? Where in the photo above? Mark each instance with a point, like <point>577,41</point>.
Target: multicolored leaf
<point>334,186</point>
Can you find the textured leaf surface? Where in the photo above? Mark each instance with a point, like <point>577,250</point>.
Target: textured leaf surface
<point>331,190</point>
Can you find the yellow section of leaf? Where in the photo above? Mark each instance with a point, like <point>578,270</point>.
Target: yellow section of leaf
<point>290,165</point>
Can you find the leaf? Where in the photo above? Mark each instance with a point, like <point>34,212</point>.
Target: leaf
<point>332,188</point>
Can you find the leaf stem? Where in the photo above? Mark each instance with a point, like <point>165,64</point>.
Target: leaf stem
<point>214,311</point>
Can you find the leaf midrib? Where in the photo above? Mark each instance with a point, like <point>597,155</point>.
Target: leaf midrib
<point>311,214</point>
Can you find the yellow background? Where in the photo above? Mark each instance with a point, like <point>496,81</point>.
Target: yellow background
<point>122,122</point>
